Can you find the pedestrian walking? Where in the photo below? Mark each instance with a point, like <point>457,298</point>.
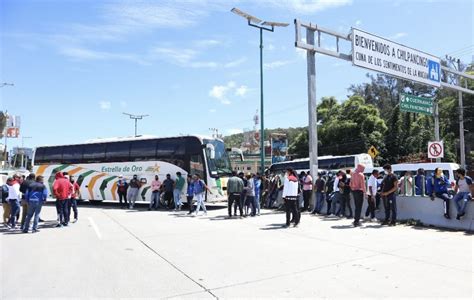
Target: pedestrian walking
<point>13,199</point>
<point>6,206</point>
<point>155,193</point>
<point>122,187</point>
<point>463,188</point>
<point>346,195</point>
<point>75,195</point>
<point>134,187</point>
<point>199,190</point>
<point>250,196</point>
<point>290,195</point>
<point>36,195</point>
<point>389,196</point>
<point>235,186</point>
<point>338,188</point>
<point>330,193</point>
<point>61,191</point>
<point>178,190</point>
<point>357,186</point>
<point>243,195</point>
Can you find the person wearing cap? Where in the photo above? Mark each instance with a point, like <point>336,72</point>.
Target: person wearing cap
<point>178,190</point>
<point>358,190</point>
<point>389,196</point>
<point>133,191</point>
<point>122,187</point>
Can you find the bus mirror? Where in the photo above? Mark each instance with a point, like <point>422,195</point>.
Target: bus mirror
<point>212,151</point>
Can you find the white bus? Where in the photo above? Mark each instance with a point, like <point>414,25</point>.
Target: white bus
<point>329,163</point>
<point>97,164</point>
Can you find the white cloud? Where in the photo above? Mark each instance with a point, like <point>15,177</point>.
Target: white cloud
<point>358,23</point>
<point>398,35</point>
<point>81,53</point>
<point>234,131</point>
<point>305,7</point>
<point>277,64</point>
<point>235,63</point>
<point>123,104</point>
<point>105,105</point>
<point>242,91</point>
<point>271,47</point>
<point>222,92</point>
<point>207,43</point>
<point>213,110</point>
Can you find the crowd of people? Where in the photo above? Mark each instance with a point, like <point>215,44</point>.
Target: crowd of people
<point>22,198</point>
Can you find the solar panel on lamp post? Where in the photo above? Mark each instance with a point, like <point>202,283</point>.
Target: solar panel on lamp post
<point>268,26</point>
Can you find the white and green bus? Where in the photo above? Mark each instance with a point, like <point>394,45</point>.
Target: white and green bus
<point>97,164</point>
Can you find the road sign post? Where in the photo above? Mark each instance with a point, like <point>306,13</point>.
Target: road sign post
<point>436,150</point>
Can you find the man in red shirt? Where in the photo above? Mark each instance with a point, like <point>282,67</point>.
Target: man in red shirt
<point>73,201</point>
<point>61,191</point>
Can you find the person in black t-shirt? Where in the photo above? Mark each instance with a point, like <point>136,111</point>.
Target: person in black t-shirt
<point>389,196</point>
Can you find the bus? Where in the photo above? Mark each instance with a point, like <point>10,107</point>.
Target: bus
<point>328,163</point>
<point>97,164</point>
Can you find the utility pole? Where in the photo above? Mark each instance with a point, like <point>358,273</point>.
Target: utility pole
<point>312,125</point>
<point>436,124</point>
<point>136,118</point>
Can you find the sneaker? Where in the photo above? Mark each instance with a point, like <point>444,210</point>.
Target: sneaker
<point>35,230</point>
<point>24,231</point>
<point>458,217</point>
<point>447,216</point>
<point>59,225</point>
<point>149,209</point>
<point>384,223</point>
<point>356,224</point>
<point>41,220</point>
<point>392,224</point>
<point>75,221</point>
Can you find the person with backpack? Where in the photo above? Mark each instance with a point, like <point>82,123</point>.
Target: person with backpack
<point>438,186</point>
<point>61,191</point>
<point>389,196</point>
<point>24,204</point>
<point>122,187</point>
<point>372,194</point>
<point>6,206</point>
<point>329,192</point>
<point>199,190</point>
<point>36,195</point>
<point>178,190</point>
<point>463,192</point>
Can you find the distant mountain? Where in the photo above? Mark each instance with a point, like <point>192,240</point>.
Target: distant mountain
<point>235,140</point>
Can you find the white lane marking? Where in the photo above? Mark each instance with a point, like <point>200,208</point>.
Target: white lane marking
<point>96,229</point>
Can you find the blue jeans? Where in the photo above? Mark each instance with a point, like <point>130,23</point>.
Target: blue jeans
<point>155,200</point>
<point>15,207</point>
<point>34,208</point>
<point>461,197</point>
<point>177,198</point>
<point>390,205</point>
<point>257,203</point>
<point>319,202</point>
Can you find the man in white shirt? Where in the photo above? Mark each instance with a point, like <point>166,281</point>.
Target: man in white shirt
<point>336,201</point>
<point>13,198</point>
<point>371,194</point>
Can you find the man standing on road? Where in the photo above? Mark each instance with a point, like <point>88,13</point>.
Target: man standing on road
<point>75,194</point>
<point>290,195</point>
<point>250,196</point>
<point>389,196</point>
<point>36,195</point>
<point>371,194</point>
<point>178,190</point>
<point>24,203</point>
<point>122,187</point>
<point>155,193</point>
<point>5,204</point>
<point>168,185</point>
<point>319,186</point>
<point>257,183</point>
<point>199,189</point>
<point>463,192</point>
<point>13,199</point>
<point>134,186</point>
<point>307,182</point>
<point>357,186</point>
<point>235,186</point>
<point>61,191</point>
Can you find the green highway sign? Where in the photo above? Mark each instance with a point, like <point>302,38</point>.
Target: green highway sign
<point>414,104</point>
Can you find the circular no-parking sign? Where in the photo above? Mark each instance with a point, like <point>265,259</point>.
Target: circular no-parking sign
<point>435,150</point>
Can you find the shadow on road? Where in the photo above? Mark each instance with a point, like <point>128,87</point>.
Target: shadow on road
<point>275,226</point>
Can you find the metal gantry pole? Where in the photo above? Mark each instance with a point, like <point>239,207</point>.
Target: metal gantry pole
<point>462,145</point>
<point>436,124</point>
<point>312,114</point>
<point>262,127</point>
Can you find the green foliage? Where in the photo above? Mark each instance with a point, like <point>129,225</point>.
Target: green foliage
<point>3,123</point>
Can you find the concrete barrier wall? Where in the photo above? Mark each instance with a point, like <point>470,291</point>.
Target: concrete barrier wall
<point>423,209</point>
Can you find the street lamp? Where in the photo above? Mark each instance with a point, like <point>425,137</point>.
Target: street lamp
<point>268,26</point>
<point>136,118</point>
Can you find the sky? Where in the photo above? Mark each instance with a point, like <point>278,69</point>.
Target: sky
<point>191,65</point>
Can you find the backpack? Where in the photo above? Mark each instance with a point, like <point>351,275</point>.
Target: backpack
<point>4,192</point>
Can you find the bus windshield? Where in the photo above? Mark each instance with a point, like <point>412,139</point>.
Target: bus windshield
<point>217,158</point>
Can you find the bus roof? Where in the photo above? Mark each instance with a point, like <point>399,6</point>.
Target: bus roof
<point>131,138</point>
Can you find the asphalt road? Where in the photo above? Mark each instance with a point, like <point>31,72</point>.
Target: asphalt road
<point>117,253</point>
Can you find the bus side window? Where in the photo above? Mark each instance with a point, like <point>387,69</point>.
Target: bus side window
<point>197,166</point>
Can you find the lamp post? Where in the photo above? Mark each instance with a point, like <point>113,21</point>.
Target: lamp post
<point>268,26</point>
<point>136,118</point>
